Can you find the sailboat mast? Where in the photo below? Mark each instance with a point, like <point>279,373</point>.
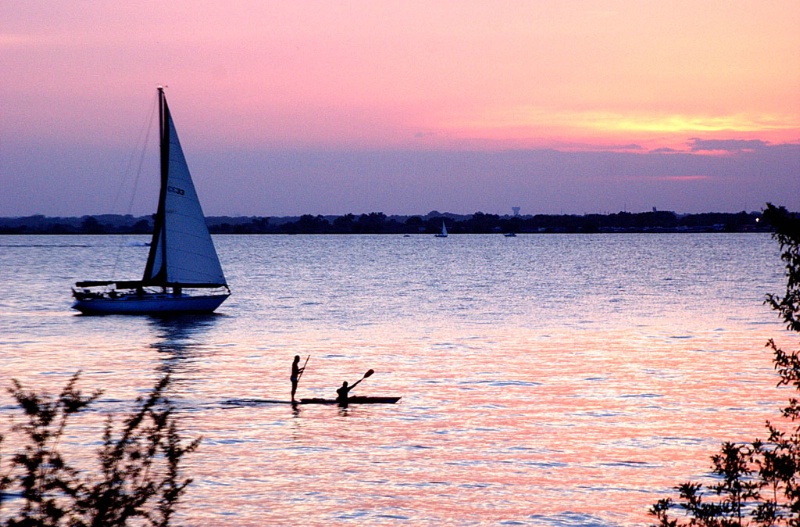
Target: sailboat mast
<point>163,120</point>
<point>158,252</point>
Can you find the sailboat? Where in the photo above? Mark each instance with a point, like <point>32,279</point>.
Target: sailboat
<point>182,273</point>
<point>442,234</point>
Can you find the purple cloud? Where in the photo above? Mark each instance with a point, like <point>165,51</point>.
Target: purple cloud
<point>727,145</point>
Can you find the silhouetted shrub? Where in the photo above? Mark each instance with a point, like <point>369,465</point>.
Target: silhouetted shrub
<point>138,475</point>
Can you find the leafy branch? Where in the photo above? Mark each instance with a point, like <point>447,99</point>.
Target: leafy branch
<point>138,473</point>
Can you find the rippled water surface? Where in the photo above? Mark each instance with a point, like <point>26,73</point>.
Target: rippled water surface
<point>545,379</point>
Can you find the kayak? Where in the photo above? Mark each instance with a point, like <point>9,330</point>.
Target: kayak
<point>356,399</point>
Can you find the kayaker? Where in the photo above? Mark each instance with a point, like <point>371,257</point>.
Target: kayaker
<point>342,393</point>
<point>296,371</point>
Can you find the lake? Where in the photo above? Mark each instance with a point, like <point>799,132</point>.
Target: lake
<point>545,379</point>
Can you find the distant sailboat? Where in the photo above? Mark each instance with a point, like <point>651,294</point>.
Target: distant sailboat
<point>442,234</point>
<point>182,254</point>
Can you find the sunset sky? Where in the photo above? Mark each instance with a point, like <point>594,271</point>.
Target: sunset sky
<point>403,107</point>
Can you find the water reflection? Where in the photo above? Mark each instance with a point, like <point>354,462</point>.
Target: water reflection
<point>180,340</point>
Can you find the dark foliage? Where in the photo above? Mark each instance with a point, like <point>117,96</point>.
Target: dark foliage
<point>138,477</point>
<point>756,484</point>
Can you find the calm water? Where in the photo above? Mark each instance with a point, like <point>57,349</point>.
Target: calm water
<point>546,379</point>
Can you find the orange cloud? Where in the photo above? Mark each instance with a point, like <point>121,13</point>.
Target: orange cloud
<point>605,129</point>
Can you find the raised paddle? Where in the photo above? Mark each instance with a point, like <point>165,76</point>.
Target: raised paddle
<point>368,374</point>
<point>303,369</point>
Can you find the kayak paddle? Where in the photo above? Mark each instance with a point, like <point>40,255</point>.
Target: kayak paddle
<point>368,374</point>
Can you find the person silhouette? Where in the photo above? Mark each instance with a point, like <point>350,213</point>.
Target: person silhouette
<point>343,392</point>
<point>296,372</point>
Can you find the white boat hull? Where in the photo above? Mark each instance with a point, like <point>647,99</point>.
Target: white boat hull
<point>150,304</point>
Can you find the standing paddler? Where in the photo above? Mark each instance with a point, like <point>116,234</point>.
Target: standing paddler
<point>297,371</point>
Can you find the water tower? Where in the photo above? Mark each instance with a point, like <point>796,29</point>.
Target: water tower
<point>516,211</point>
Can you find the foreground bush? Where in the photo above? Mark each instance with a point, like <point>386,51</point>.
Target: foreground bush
<point>137,475</point>
<point>757,483</point>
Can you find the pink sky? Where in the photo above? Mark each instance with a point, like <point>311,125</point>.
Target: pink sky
<point>416,104</point>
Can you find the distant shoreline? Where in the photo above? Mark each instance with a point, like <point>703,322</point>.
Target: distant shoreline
<point>431,223</point>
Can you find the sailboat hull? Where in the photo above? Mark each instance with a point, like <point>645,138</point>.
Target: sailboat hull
<point>150,304</point>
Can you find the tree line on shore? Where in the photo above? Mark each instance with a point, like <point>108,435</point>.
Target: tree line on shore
<point>380,223</point>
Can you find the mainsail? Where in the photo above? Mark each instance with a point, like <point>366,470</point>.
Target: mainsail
<point>181,252</point>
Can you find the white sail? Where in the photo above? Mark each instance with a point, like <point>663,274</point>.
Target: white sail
<point>182,252</point>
